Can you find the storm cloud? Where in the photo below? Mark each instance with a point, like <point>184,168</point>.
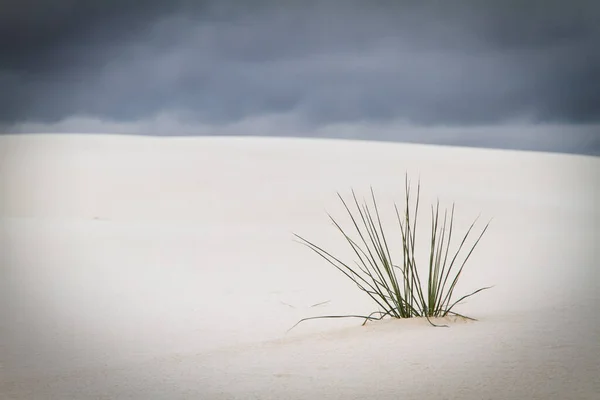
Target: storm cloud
<point>317,63</point>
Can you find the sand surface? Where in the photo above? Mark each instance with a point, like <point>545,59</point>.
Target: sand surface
<point>155,268</point>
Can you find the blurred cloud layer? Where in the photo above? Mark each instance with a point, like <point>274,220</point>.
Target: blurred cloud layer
<point>394,70</point>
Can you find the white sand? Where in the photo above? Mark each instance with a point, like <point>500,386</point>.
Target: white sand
<point>146,268</point>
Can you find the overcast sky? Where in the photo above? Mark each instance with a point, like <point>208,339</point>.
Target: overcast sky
<point>511,74</point>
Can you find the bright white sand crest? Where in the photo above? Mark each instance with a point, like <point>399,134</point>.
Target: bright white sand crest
<point>165,268</point>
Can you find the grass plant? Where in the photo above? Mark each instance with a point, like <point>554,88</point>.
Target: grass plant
<point>398,290</point>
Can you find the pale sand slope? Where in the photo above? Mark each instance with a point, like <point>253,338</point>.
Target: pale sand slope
<point>151,268</point>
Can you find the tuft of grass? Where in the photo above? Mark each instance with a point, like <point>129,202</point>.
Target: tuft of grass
<point>398,290</point>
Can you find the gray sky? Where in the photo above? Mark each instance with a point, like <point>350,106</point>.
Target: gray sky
<point>512,74</point>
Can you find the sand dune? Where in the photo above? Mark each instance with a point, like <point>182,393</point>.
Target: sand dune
<point>154,268</point>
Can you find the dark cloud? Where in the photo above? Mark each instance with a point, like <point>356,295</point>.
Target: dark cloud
<point>31,31</point>
<point>427,63</point>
